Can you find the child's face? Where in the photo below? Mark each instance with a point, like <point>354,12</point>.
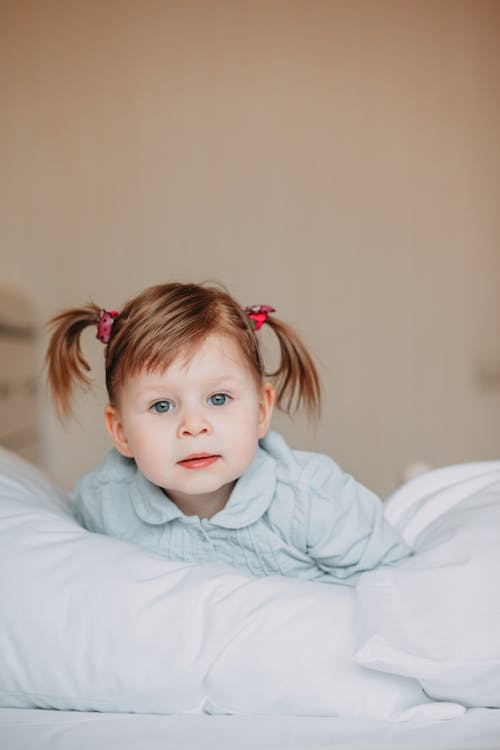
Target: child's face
<point>210,405</point>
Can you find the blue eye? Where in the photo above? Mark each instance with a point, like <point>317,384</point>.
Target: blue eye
<point>219,399</point>
<point>161,407</point>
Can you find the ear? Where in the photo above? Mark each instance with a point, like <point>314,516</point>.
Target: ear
<point>266,405</point>
<point>116,430</point>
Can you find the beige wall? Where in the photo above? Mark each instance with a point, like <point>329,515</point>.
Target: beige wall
<point>338,160</point>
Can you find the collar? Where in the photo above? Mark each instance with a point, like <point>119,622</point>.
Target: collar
<point>249,500</point>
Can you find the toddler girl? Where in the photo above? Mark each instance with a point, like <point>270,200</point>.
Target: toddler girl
<point>195,473</point>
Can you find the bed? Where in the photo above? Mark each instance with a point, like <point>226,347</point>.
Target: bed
<point>105,646</point>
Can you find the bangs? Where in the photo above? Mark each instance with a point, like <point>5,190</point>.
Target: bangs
<point>152,333</point>
<point>158,354</point>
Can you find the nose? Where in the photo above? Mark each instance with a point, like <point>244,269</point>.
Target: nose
<point>193,424</point>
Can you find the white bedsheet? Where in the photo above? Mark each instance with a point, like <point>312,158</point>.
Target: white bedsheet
<point>27,729</point>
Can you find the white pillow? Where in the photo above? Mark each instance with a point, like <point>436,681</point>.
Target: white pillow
<point>413,507</point>
<point>93,623</point>
<point>436,616</point>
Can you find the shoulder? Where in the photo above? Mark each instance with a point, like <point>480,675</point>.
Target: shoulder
<point>98,491</point>
<point>288,460</point>
<point>299,467</point>
<point>114,468</point>
<point>309,482</point>
<point>300,475</point>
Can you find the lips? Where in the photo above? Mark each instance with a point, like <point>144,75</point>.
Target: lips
<point>199,460</point>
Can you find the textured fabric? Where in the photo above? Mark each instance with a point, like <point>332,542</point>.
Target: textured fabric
<point>92,623</point>
<point>292,513</point>
<point>435,617</point>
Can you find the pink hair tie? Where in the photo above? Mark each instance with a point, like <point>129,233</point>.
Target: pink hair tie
<point>258,315</point>
<point>104,324</point>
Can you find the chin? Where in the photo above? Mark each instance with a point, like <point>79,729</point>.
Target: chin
<point>204,485</point>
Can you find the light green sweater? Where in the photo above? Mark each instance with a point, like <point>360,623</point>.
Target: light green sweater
<point>293,513</point>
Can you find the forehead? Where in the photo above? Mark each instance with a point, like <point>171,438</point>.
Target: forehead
<point>216,357</point>
<point>214,352</point>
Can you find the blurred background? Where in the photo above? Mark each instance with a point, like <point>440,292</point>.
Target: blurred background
<point>338,159</point>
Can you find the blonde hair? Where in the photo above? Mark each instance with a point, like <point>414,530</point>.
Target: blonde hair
<point>171,320</point>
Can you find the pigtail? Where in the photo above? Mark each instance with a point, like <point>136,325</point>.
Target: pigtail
<point>296,378</point>
<point>64,360</point>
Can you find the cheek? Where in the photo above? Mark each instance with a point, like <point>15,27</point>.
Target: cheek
<point>144,439</point>
<point>242,424</point>
<point>243,442</point>
<point>151,456</point>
